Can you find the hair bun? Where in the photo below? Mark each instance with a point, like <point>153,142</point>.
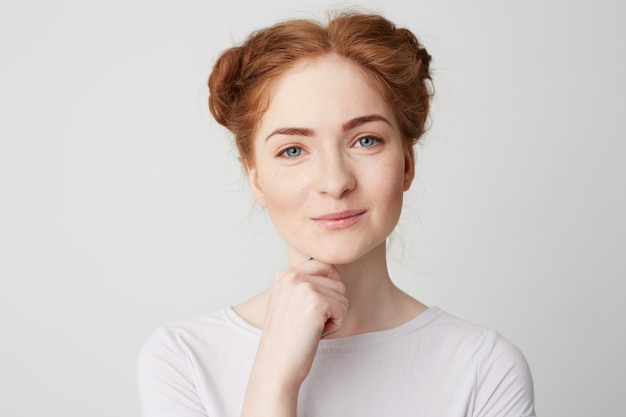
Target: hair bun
<point>416,50</point>
<point>225,86</point>
<point>424,59</point>
<point>242,77</point>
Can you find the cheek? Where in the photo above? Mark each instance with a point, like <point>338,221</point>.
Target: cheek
<point>282,192</point>
<point>388,180</point>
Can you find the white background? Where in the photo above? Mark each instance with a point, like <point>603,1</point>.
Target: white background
<point>124,207</point>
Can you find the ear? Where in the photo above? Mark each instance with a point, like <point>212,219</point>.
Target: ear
<point>257,190</point>
<point>409,166</point>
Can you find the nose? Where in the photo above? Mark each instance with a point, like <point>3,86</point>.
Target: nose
<point>335,176</point>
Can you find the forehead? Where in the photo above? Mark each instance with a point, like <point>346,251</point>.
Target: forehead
<point>322,94</point>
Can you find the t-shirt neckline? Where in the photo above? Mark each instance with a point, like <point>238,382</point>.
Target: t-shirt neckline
<point>349,342</point>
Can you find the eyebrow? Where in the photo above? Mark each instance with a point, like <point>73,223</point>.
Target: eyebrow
<point>349,125</point>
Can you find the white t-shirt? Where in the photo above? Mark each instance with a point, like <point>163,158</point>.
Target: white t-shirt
<point>435,365</point>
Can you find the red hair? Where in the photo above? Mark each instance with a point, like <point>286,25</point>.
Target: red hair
<point>397,63</point>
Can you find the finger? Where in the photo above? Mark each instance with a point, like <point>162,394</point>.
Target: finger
<point>323,283</point>
<point>319,273</point>
<point>335,321</point>
<point>333,297</point>
<point>315,267</point>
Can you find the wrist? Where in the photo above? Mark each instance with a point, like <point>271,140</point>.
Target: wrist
<point>268,395</point>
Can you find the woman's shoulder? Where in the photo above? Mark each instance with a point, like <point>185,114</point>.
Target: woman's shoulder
<point>484,343</point>
<point>211,320</point>
<point>178,361</point>
<point>502,374</point>
<point>174,338</point>
<point>218,325</point>
<point>175,356</point>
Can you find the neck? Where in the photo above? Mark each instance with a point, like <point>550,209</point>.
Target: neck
<point>375,303</point>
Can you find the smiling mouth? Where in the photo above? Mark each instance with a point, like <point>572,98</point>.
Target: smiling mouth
<point>339,220</point>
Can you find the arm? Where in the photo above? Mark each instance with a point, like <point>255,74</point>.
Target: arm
<point>166,386</point>
<point>305,302</point>
<point>504,382</point>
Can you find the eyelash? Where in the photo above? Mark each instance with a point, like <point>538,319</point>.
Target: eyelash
<point>374,138</point>
<point>284,152</point>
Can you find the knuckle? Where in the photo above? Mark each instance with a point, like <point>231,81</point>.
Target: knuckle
<point>314,299</point>
<point>306,288</point>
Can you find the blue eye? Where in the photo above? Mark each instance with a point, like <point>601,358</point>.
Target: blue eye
<point>367,141</point>
<point>292,152</point>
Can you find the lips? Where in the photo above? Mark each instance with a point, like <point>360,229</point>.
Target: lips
<point>339,220</point>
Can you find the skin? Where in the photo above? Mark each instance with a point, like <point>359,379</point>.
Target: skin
<point>331,169</point>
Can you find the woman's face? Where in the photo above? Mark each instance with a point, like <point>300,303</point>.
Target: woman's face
<point>330,164</point>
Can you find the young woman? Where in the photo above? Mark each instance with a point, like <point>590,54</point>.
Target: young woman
<point>325,118</point>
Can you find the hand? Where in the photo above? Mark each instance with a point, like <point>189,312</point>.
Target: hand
<point>305,301</point>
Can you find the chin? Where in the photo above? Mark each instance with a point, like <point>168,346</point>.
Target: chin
<point>342,256</point>
<point>336,260</point>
